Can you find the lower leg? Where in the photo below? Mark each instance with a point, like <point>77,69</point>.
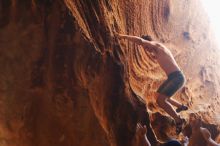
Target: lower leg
<point>180,107</point>
<point>164,104</point>
<point>174,102</point>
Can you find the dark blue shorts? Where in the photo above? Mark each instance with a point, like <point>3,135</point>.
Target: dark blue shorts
<point>174,82</point>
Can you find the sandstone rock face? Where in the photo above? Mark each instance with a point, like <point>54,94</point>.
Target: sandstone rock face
<point>66,80</point>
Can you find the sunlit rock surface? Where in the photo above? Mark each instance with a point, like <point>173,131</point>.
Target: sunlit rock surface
<point>66,80</point>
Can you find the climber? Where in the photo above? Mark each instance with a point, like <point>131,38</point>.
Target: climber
<point>175,76</point>
<point>141,139</point>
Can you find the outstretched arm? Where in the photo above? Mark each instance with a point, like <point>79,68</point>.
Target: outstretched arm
<point>131,38</point>
<point>137,40</point>
<point>140,136</point>
<point>206,134</point>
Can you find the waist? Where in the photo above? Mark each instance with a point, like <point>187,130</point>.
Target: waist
<point>176,74</point>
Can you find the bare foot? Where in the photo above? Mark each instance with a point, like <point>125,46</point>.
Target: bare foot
<point>182,108</point>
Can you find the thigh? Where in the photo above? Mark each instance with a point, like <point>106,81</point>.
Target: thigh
<point>168,88</point>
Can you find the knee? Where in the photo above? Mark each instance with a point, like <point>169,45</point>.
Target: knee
<point>161,100</point>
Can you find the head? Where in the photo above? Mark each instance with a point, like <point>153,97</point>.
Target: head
<point>147,37</point>
<point>172,143</point>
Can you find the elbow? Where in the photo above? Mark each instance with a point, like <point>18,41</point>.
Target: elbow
<point>140,41</point>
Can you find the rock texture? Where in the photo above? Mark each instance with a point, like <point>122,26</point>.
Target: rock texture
<point>66,80</point>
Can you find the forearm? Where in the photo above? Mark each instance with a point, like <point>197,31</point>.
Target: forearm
<point>131,38</point>
<point>146,141</point>
<point>211,142</point>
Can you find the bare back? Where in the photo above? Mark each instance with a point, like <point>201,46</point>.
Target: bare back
<point>163,56</point>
